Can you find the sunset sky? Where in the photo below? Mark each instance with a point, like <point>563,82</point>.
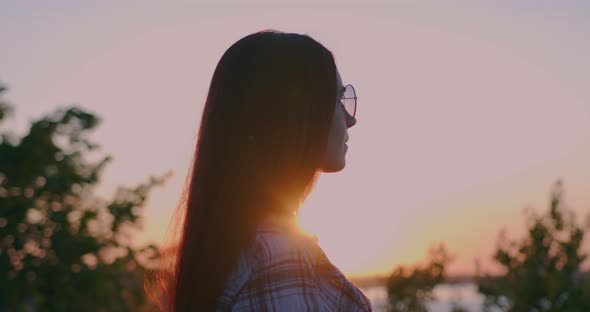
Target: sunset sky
<point>467,114</point>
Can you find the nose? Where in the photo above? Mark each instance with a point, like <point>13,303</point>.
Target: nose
<point>350,121</point>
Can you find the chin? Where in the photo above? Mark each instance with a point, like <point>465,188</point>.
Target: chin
<point>334,167</point>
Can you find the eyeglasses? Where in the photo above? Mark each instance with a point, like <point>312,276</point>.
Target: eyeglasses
<point>349,100</point>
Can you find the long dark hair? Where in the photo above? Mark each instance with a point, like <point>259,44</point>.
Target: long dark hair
<point>260,147</point>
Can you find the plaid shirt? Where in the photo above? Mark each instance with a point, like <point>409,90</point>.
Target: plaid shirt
<point>286,270</point>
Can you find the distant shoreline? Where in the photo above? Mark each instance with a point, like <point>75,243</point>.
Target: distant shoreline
<point>381,280</point>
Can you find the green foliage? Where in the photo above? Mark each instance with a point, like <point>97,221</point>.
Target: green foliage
<point>5,108</point>
<point>410,289</point>
<point>61,247</point>
<point>542,271</point>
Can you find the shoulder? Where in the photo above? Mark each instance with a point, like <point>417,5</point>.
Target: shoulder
<point>285,269</point>
<point>292,259</point>
<point>276,253</point>
<point>275,273</point>
<point>284,246</point>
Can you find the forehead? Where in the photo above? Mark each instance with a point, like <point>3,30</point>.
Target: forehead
<point>339,84</point>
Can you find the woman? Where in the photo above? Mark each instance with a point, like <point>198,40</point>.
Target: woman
<point>275,117</point>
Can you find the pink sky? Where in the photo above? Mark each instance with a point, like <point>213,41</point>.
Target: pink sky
<point>467,114</point>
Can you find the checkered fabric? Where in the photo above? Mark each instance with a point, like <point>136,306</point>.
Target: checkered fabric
<point>286,270</point>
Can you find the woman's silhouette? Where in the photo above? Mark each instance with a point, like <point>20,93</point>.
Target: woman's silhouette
<point>276,116</point>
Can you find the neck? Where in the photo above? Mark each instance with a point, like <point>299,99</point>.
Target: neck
<point>282,218</point>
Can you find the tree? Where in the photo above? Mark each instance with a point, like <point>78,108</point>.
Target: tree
<point>543,270</point>
<point>410,289</point>
<point>61,247</point>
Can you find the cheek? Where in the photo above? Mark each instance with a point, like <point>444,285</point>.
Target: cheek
<point>341,128</point>
<point>336,150</point>
<point>338,147</point>
<point>336,139</point>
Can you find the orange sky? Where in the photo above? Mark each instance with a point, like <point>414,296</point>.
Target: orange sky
<point>466,115</point>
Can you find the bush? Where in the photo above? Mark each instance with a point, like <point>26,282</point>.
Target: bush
<point>61,247</point>
<point>543,270</point>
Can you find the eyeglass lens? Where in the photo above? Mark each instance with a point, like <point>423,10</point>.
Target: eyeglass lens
<point>349,100</point>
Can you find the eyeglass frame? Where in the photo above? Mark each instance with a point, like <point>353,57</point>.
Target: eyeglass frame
<point>355,98</point>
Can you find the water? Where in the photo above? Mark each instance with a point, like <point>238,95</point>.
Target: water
<point>445,295</point>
